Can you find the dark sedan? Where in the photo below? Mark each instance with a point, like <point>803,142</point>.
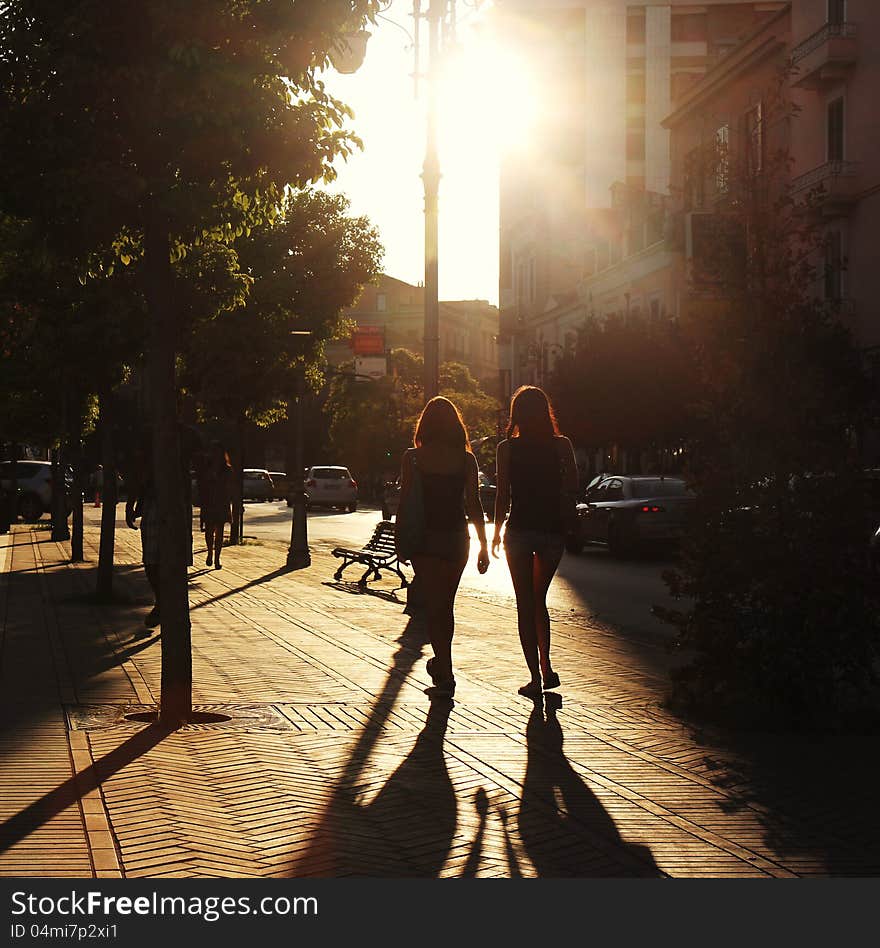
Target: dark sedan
<point>628,513</point>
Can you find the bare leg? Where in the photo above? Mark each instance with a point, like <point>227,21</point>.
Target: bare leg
<point>544,568</point>
<point>218,543</point>
<point>209,542</point>
<point>521,572</point>
<point>152,571</point>
<point>440,580</point>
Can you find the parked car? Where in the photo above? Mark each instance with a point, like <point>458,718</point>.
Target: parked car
<point>331,486</point>
<point>281,483</point>
<point>628,513</point>
<point>257,484</point>
<point>34,480</point>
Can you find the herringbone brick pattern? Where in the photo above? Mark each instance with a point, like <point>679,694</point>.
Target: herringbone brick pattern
<point>334,762</point>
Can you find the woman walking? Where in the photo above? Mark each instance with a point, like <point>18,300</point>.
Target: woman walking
<point>217,492</point>
<point>537,478</point>
<point>446,470</point>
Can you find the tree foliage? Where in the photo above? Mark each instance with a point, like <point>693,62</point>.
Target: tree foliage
<point>300,271</point>
<point>629,381</point>
<point>781,617</point>
<point>372,423</point>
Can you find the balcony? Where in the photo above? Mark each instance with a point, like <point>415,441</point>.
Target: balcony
<point>831,189</point>
<point>826,56</point>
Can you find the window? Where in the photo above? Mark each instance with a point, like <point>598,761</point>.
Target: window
<point>722,159</point>
<point>834,266</point>
<point>381,302</point>
<point>836,12</point>
<point>635,144</point>
<point>655,307</point>
<point>688,27</point>
<point>635,88</point>
<point>835,130</point>
<point>755,139</point>
<point>614,490</point>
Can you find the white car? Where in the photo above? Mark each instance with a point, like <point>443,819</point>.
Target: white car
<point>256,484</point>
<point>331,486</point>
<point>34,479</point>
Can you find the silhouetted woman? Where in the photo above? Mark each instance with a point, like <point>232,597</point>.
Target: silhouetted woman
<point>536,477</point>
<point>218,490</point>
<point>441,458</point>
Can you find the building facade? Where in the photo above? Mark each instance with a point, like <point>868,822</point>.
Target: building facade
<point>395,311</point>
<point>611,70</point>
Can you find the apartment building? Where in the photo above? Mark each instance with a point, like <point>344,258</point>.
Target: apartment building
<point>835,145</point>
<point>394,311</point>
<point>610,71</point>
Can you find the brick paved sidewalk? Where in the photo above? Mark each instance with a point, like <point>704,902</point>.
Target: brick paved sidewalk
<point>335,763</point>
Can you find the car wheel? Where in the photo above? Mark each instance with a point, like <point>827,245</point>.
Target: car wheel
<point>352,508</point>
<point>30,508</point>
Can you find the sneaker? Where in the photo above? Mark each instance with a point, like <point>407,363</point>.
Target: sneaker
<point>151,620</point>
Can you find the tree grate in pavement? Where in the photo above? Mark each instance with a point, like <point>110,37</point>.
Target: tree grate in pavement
<point>233,717</point>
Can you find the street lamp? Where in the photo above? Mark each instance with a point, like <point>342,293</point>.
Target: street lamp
<point>298,555</point>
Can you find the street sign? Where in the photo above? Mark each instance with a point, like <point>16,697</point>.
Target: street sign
<point>368,341</point>
<point>372,367</point>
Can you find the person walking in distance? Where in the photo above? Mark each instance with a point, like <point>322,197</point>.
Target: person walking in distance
<point>216,503</point>
<point>537,479</point>
<point>441,459</point>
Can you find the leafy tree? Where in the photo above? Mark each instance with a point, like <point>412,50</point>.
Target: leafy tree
<point>781,619</point>
<point>628,382</point>
<point>372,423</point>
<point>133,133</point>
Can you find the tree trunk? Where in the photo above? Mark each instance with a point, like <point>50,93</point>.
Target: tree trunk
<point>176,697</point>
<point>109,492</point>
<point>236,532</point>
<point>60,531</point>
<point>76,539</point>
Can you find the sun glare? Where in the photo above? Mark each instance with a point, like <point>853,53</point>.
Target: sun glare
<point>488,98</point>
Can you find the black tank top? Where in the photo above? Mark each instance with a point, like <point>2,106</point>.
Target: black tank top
<point>535,486</point>
<point>443,496</point>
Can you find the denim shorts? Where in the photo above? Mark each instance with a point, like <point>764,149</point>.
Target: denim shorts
<point>534,541</point>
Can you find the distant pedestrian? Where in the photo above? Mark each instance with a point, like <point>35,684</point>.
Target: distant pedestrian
<point>97,484</point>
<point>537,478</point>
<point>446,471</point>
<point>142,503</point>
<point>217,492</point>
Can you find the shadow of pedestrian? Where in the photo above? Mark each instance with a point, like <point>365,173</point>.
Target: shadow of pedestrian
<point>564,828</point>
<point>353,838</point>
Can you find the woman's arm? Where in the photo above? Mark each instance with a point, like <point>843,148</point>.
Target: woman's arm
<point>474,508</point>
<point>502,491</point>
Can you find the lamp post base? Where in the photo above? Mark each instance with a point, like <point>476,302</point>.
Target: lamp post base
<point>298,559</point>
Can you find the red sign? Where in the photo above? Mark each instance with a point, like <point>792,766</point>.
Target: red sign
<point>368,340</point>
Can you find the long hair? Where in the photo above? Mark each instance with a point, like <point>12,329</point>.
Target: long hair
<point>218,456</point>
<point>441,422</point>
<point>531,414</point>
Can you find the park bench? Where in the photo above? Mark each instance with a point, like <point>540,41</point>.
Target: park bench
<point>377,554</point>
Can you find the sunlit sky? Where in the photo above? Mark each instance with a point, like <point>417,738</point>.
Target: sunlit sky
<point>383,181</point>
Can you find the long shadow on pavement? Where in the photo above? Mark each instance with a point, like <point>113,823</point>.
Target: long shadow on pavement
<point>563,826</point>
<point>408,826</point>
<point>32,817</point>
